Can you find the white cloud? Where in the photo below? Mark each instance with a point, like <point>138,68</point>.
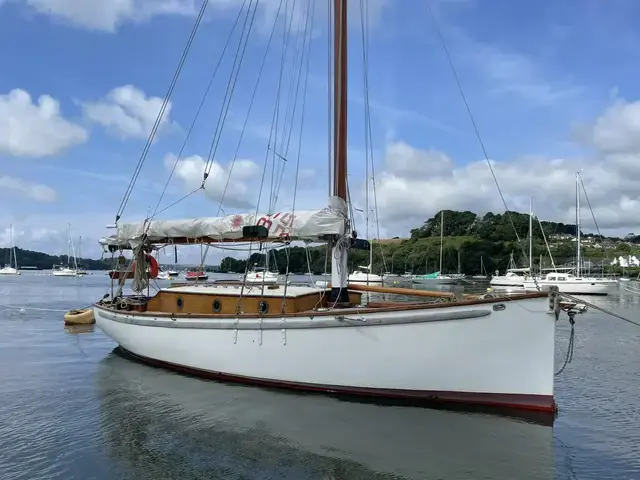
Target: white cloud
<point>408,197</point>
<point>29,129</point>
<point>11,187</point>
<point>190,172</point>
<point>108,15</point>
<point>404,160</point>
<point>127,112</point>
<point>617,131</point>
<point>514,72</point>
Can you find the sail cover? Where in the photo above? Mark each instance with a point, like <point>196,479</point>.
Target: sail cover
<point>310,225</point>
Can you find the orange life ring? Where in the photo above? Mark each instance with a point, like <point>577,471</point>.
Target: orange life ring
<point>153,263</point>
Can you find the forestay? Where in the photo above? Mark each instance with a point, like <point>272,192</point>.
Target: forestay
<point>312,225</point>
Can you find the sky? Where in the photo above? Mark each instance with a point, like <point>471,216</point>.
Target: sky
<point>551,86</point>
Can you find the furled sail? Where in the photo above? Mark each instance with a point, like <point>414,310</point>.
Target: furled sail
<point>312,225</point>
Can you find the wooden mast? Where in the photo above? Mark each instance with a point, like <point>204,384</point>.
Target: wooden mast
<point>340,100</point>
<point>339,262</point>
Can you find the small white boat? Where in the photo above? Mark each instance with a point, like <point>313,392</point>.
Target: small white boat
<point>512,278</point>
<point>259,275</point>
<point>569,283</point>
<point>71,268</point>
<point>63,271</point>
<point>163,276</point>
<point>8,269</point>
<point>364,275</point>
<point>436,279</point>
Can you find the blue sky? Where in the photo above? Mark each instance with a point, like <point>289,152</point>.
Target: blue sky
<point>552,87</point>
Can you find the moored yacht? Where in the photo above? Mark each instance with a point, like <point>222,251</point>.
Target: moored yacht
<point>569,283</point>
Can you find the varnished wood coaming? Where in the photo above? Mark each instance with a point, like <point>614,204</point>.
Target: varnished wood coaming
<point>202,303</point>
<point>315,313</point>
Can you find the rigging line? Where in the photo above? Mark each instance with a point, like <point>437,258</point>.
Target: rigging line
<point>471,117</point>
<point>246,119</point>
<point>306,41</point>
<point>364,16</point>
<point>290,109</point>
<point>298,56</point>
<point>307,45</point>
<point>368,104</point>
<point>184,197</point>
<point>163,108</point>
<point>231,85</point>
<point>329,96</point>
<point>274,126</point>
<point>275,120</point>
<point>593,215</point>
<point>277,167</point>
<point>271,135</point>
<point>292,98</point>
<point>366,125</point>
<point>199,110</point>
<point>601,309</point>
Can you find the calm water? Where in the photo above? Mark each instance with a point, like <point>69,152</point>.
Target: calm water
<point>71,407</point>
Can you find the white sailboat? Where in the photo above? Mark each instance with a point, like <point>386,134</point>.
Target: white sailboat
<point>261,275</point>
<point>71,268</point>
<point>488,349</point>
<point>573,283</point>
<point>438,278</point>
<point>514,276</point>
<point>364,275</point>
<point>12,267</point>
<point>483,271</point>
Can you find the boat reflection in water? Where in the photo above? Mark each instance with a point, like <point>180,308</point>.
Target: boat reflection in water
<point>157,424</point>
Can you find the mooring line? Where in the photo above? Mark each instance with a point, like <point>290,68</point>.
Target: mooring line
<point>601,309</point>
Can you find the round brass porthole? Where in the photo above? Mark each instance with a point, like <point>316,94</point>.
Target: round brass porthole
<point>263,307</point>
<point>180,303</point>
<point>216,306</point>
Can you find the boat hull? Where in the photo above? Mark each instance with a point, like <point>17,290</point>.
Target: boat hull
<point>365,278</point>
<point>12,272</point>
<point>499,354</point>
<point>201,278</point>
<point>64,274</point>
<point>261,281</point>
<point>436,281</point>
<point>575,288</point>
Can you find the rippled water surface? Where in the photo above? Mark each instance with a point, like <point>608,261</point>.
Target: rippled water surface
<point>71,407</point>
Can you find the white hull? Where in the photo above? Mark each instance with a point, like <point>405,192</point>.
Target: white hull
<point>259,279</point>
<point>504,281</point>
<point>64,273</point>
<point>9,271</point>
<point>436,281</point>
<point>359,277</point>
<point>577,287</point>
<point>471,353</point>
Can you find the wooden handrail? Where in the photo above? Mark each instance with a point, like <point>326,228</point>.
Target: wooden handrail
<point>410,292</point>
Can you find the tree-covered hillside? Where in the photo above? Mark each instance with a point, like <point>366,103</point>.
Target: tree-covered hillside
<point>490,237</point>
<point>28,258</point>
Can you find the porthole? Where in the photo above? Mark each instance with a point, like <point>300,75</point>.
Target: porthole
<point>216,306</point>
<point>263,307</point>
<point>180,303</point>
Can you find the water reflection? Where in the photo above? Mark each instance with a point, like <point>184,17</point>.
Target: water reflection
<point>156,424</point>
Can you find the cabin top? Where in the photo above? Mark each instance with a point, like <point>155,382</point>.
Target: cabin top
<point>292,291</point>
